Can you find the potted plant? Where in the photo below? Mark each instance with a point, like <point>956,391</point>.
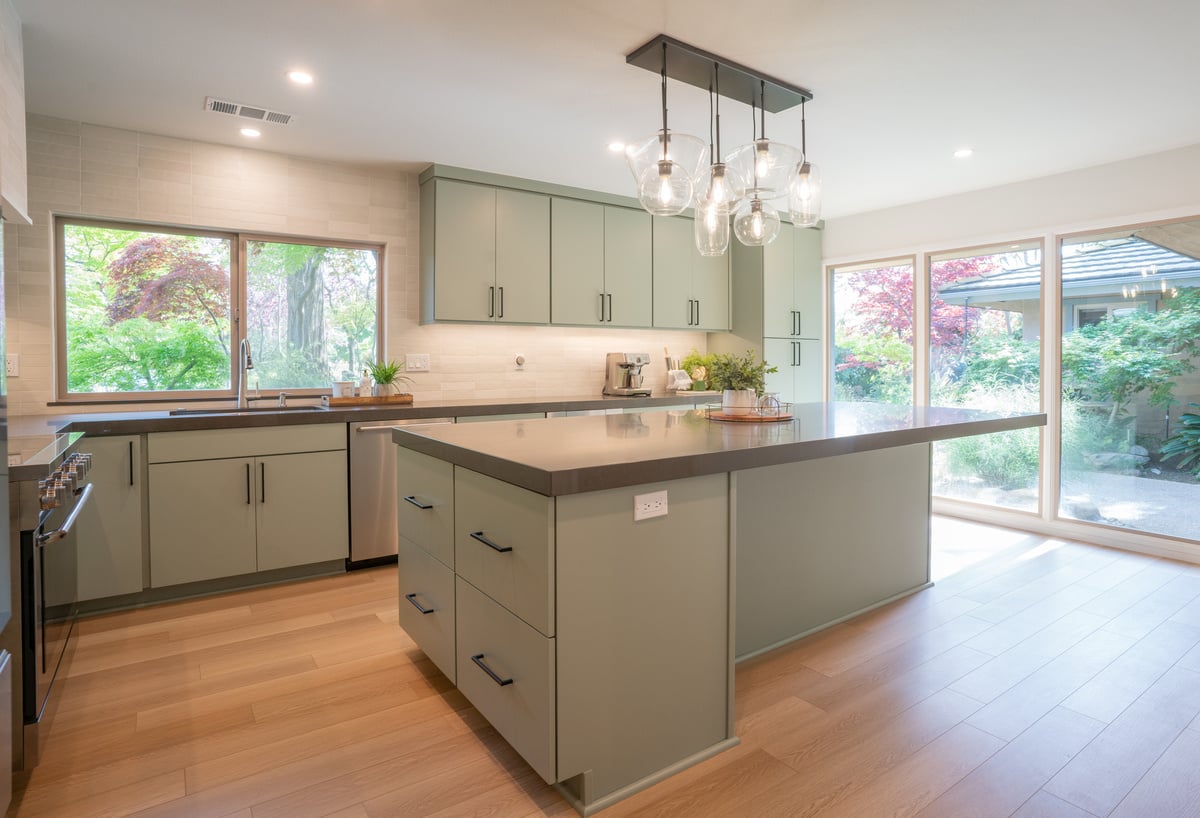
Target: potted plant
<point>741,378</point>
<point>696,366</point>
<point>386,375</point>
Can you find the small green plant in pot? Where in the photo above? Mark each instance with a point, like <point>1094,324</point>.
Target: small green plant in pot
<point>697,365</point>
<point>387,377</point>
<point>741,378</point>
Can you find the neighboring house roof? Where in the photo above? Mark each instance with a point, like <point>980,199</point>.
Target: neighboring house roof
<point>1103,270</point>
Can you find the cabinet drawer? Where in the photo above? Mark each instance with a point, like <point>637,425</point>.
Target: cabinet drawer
<point>211,444</point>
<point>504,545</point>
<point>519,702</point>
<point>427,585</point>
<point>425,502</point>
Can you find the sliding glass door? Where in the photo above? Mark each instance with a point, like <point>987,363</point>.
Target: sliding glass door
<point>872,309</point>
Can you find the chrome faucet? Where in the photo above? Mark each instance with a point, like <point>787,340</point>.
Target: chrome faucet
<point>245,362</point>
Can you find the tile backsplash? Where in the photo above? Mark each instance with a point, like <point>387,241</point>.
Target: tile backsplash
<point>81,169</point>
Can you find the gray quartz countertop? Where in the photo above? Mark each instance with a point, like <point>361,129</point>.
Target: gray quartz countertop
<point>128,423</point>
<point>557,456</point>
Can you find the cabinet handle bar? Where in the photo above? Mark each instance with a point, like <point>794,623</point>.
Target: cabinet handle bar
<point>478,535</point>
<point>413,499</point>
<point>131,462</point>
<point>478,659</point>
<point>491,302</point>
<point>247,484</point>
<point>262,482</point>
<point>413,599</point>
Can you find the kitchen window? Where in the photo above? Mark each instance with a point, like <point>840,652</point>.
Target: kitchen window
<point>155,312</point>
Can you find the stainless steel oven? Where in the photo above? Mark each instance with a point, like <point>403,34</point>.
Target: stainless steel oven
<point>45,510</point>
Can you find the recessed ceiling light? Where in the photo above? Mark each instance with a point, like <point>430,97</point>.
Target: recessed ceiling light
<point>616,147</point>
<point>300,77</point>
<point>253,133</point>
<point>963,153</point>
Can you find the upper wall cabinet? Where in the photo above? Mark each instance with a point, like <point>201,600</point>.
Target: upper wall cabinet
<point>485,254</point>
<point>691,291</point>
<point>601,265</point>
<point>14,179</point>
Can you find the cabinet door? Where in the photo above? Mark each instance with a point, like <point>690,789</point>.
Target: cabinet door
<point>781,353</point>
<point>522,257</point>
<point>710,286</point>
<point>808,296</point>
<point>465,251</point>
<point>628,267</point>
<point>110,526</point>
<point>778,287</point>
<point>201,520</point>
<point>301,509</point>
<point>674,305</point>
<point>576,262</point>
<point>809,372</point>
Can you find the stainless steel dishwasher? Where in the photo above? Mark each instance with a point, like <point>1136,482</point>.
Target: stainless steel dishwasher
<point>373,537</point>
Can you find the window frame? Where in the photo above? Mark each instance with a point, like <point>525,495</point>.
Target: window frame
<point>237,304</point>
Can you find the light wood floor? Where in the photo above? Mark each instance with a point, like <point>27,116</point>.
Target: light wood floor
<point>1050,679</point>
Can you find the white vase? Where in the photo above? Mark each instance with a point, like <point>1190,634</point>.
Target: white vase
<point>738,401</point>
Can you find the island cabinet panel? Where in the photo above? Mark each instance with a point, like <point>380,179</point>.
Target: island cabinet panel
<point>818,540</point>
<point>504,545</point>
<point>427,604</point>
<point>643,631</point>
<point>507,670</point>
<point>425,503</point>
<point>201,520</point>
<point>112,528</point>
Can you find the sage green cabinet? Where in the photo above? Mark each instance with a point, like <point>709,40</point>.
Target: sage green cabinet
<point>691,291</point>
<point>485,254</point>
<point>601,265</point>
<point>798,360</point>
<point>111,526</point>
<point>253,506</point>
<point>791,271</point>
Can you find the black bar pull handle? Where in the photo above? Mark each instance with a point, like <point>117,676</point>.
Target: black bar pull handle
<point>262,481</point>
<point>602,307</point>
<point>500,314</point>
<point>478,659</point>
<point>131,462</point>
<point>697,312</point>
<point>609,296</point>
<point>413,599</point>
<point>412,498</point>
<point>478,535</point>
<point>491,302</point>
<point>247,484</point>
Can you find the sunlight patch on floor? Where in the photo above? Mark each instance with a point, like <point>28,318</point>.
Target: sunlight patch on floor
<point>957,544</point>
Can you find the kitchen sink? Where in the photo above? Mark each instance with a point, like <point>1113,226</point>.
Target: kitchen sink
<point>247,410</point>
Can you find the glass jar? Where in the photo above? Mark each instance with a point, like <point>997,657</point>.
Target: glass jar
<point>768,405</point>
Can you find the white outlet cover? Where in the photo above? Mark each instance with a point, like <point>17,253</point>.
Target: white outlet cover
<point>650,505</point>
<point>416,362</point>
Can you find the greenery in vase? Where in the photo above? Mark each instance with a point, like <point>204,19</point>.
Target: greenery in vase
<point>729,371</point>
<point>386,373</point>
<point>696,365</point>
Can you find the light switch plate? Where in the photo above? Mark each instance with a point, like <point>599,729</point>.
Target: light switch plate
<point>653,504</point>
<point>416,362</point>
<point>12,365</point>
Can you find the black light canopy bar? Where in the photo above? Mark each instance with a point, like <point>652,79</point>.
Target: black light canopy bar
<point>695,67</point>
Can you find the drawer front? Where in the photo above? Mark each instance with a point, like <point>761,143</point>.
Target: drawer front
<point>427,585</point>
<point>504,545</point>
<point>212,444</point>
<point>521,710</point>
<point>425,502</point>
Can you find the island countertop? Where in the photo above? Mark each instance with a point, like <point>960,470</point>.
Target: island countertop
<point>559,456</point>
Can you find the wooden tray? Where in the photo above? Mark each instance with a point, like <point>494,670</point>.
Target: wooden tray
<point>749,417</point>
<point>372,400</point>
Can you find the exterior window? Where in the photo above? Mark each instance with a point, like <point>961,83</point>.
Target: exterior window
<point>153,312</point>
<point>873,332</point>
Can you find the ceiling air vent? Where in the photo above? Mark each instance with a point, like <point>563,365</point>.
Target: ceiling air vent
<point>255,112</point>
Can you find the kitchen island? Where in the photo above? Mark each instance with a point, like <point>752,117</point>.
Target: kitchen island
<point>588,583</point>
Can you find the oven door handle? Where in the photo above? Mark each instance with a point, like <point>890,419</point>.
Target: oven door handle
<point>59,533</point>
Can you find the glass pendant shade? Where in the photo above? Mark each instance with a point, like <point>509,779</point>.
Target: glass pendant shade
<point>756,223</point>
<point>719,184</point>
<point>687,151</point>
<point>711,228</point>
<point>766,166</point>
<point>665,189</point>
<point>804,195</point>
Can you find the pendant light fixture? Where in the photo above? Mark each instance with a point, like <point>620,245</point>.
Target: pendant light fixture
<point>665,164</point>
<point>715,189</point>
<point>766,165</point>
<point>804,191</point>
<point>756,223</point>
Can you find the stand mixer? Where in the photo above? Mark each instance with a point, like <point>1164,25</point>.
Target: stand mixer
<point>623,373</point>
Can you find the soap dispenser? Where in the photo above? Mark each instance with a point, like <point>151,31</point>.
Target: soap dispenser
<point>364,386</point>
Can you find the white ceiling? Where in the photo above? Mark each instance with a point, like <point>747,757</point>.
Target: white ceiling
<point>537,88</point>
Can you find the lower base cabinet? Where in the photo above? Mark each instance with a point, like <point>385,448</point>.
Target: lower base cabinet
<point>635,680</point>
<point>112,528</point>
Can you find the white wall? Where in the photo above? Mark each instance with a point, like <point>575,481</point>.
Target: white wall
<point>77,168</point>
<point>1159,186</point>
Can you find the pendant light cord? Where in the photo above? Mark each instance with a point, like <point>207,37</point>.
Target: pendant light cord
<point>712,151</point>
<point>762,108</point>
<point>664,101</point>
<point>803,133</point>
<point>717,85</point>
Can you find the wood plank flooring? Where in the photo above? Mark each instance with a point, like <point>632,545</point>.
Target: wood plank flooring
<point>1045,679</point>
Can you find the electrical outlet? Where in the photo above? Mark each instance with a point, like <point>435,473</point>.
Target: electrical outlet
<point>650,505</point>
<point>12,365</point>
<point>520,361</point>
<point>416,362</point>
